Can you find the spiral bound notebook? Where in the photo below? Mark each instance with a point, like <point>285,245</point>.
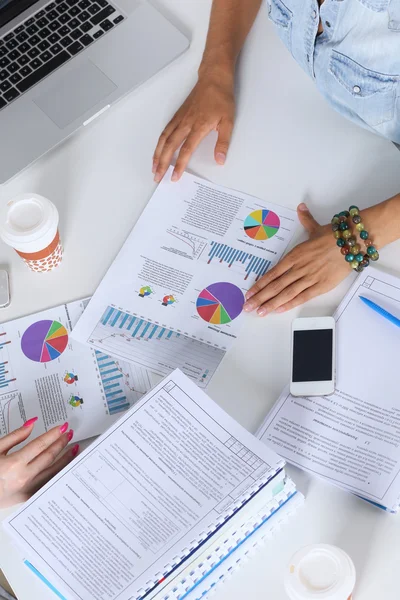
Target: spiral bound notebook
<point>235,544</point>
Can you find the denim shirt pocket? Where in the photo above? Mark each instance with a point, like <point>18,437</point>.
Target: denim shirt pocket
<point>369,94</point>
<point>281,16</point>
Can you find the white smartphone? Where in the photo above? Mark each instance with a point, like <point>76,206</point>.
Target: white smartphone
<point>313,357</point>
<point>4,289</point>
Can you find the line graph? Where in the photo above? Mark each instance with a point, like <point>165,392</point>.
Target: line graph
<point>190,245</point>
<point>6,404</point>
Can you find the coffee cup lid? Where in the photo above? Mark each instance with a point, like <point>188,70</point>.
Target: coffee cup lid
<point>26,219</point>
<point>320,572</point>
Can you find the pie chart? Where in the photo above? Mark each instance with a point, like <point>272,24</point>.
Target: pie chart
<point>220,303</point>
<point>44,341</point>
<point>262,224</point>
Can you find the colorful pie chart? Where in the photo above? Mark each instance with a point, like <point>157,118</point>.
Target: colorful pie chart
<point>44,341</point>
<point>262,224</point>
<point>220,303</point>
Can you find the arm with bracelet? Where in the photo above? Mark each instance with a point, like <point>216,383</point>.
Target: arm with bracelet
<point>317,265</point>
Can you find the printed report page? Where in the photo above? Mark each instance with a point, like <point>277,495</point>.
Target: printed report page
<point>142,497</point>
<point>197,248</point>
<point>351,438</point>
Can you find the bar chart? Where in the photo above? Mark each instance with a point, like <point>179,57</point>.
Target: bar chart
<point>3,340</point>
<point>117,379</point>
<point>238,260</point>
<point>135,327</point>
<point>154,347</point>
<point>6,379</point>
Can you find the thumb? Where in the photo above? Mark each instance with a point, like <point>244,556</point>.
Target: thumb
<point>224,138</point>
<point>306,218</point>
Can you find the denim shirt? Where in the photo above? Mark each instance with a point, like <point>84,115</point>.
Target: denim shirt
<point>355,62</point>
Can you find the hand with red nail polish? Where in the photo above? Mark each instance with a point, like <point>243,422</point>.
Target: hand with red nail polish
<point>24,471</point>
<point>209,107</point>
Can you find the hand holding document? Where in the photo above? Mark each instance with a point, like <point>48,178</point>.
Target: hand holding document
<point>352,438</point>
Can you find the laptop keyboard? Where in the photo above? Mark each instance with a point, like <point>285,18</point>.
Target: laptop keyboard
<point>49,39</point>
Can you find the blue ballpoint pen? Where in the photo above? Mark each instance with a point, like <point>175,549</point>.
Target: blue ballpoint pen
<point>381,311</point>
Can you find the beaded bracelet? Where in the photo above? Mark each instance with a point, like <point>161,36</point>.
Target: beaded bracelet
<point>347,242</point>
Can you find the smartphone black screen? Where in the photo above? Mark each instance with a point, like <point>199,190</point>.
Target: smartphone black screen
<point>312,355</point>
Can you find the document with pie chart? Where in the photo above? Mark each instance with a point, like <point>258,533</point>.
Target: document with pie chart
<point>44,373</point>
<point>183,273</point>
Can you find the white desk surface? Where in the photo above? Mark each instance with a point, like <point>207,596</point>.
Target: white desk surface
<point>288,146</point>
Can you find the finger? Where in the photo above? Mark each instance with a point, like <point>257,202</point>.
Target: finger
<point>170,128</point>
<point>224,138</point>
<point>289,293</point>
<point>281,268</point>
<point>305,296</point>
<point>193,140</point>
<point>49,455</point>
<point>40,444</point>
<point>306,218</point>
<point>16,437</point>
<point>55,468</point>
<point>170,146</point>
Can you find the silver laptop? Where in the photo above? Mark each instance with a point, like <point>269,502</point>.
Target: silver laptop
<point>64,62</point>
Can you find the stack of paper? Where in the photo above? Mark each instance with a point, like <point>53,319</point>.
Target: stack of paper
<point>165,504</point>
<point>352,438</point>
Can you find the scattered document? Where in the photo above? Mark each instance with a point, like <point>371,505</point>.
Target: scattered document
<point>44,373</point>
<point>143,497</point>
<point>353,437</point>
<point>174,295</point>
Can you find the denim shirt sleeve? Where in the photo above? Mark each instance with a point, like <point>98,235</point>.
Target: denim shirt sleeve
<point>355,62</point>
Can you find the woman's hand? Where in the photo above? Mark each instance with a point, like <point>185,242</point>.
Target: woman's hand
<point>310,269</point>
<point>23,472</point>
<point>210,106</point>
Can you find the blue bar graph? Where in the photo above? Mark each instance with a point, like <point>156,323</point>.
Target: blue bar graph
<point>233,257</point>
<point>130,326</point>
<point>111,378</point>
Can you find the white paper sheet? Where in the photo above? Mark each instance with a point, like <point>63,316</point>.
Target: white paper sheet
<point>134,504</point>
<point>353,437</point>
<point>186,266</point>
<point>44,373</point>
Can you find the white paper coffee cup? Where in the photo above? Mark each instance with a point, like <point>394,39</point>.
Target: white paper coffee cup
<point>29,224</point>
<point>320,572</point>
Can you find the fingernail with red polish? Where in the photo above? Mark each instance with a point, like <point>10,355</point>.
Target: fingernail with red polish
<point>64,427</point>
<point>75,450</point>
<point>70,435</point>
<point>30,422</point>
<point>220,158</point>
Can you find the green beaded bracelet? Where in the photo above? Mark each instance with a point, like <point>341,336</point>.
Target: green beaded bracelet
<point>342,224</point>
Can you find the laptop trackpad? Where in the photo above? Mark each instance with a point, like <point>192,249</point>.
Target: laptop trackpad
<point>75,92</point>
